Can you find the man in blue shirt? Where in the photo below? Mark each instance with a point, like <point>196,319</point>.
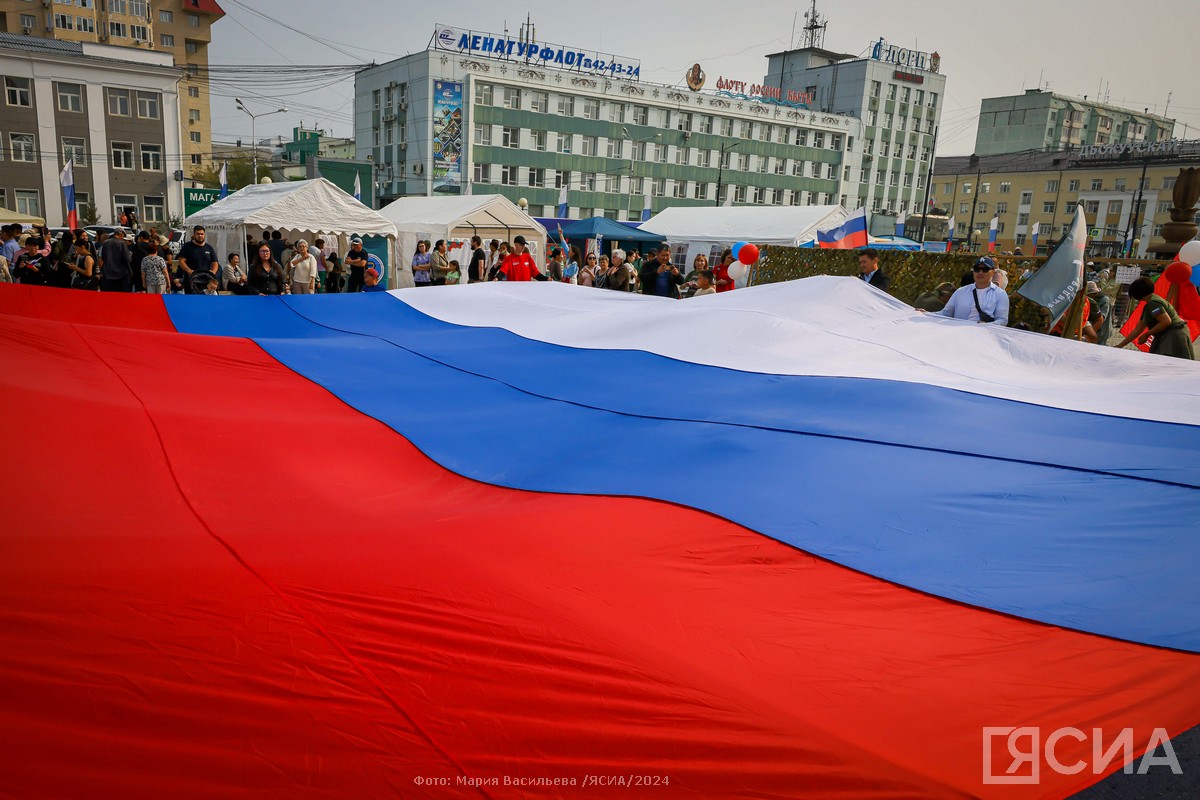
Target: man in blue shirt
<point>371,276</point>
<point>660,277</point>
<point>981,301</point>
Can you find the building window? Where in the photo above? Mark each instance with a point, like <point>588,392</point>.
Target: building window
<point>16,92</point>
<point>780,166</point>
<point>1097,184</point>
<point>512,98</point>
<point>539,102</point>
<point>537,178</point>
<point>933,99</point>
<point>28,202</point>
<point>193,20</point>
<point>1072,186</point>
<point>193,91</point>
<point>483,95</point>
<point>566,105</point>
<point>949,187</point>
<point>591,109</point>
<point>680,190</point>
<point>166,16</point>
<point>798,168</point>
<point>195,157</point>
<point>906,95</point>
<point>75,151</point>
<point>154,209</point>
<point>1048,208</point>
<point>876,86</point>
<point>563,178</point>
<point>1052,186</point>
<point>194,137</point>
<point>1001,208</point>
<point>564,143</point>
<point>190,47</point>
<point>152,157</point>
<point>891,94</point>
<point>1005,187</point>
<point>508,175</point>
<point>510,137</point>
<point>122,155</point>
<point>483,173</point>
<point>683,155</point>
<point>641,115</point>
<point>963,208</point>
<point>85,24</point>
<point>1026,198</point>
<point>589,182</point>
<point>483,135</point>
<point>614,148</point>
<point>660,152</point>
<point>64,21</point>
<point>148,106</point>
<point>616,112</point>
<point>118,102</point>
<point>1168,183</point>
<point>726,127</point>
<point>139,33</point>
<point>166,40</point>
<point>117,30</point>
<point>1091,206</point>
<point>22,147</point>
<point>70,97</point>
<point>985,188</point>
<point>590,146</point>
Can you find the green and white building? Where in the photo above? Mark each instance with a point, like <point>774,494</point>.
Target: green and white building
<point>487,113</point>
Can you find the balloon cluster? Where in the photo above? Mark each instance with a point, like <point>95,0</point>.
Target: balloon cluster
<point>1185,269</point>
<point>746,254</point>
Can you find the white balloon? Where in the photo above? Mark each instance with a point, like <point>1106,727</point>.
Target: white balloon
<point>1190,253</point>
<point>737,270</point>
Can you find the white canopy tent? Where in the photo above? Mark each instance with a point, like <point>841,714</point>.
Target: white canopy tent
<point>458,217</point>
<point>708,231</point>
<point>298,209</point>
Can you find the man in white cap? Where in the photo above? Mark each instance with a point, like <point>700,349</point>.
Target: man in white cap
<point>356,260</point>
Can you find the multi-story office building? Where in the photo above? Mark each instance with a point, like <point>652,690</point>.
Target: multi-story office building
<point>1041,120</point>
<point>897,93</point>
<point>113,112</point>
<point>1126,192</point>
<point>182,28</point>
<point>470,114</point>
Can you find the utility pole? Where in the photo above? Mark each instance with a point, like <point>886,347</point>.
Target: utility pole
<point>928,186</point>
<point>975,202</point>
<point>1137,205</point>
<point>721,169</point>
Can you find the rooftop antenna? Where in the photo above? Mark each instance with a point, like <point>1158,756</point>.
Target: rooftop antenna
<point>814,27</point>
<point>792,38</point>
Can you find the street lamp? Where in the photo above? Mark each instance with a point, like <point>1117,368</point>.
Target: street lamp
<point>254,141</point>
<point>523,204</point>
<point>625,134</point>
<point>975,235</point>
<point>725,148</point>
<point>1136,244</point>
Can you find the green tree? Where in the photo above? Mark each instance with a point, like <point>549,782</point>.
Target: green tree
<point>88,214</point>
<point>238,174</point>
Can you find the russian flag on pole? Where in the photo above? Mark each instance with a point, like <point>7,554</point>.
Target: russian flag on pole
<point>1033,236</point>
<point>66,179</point>
<point>900,219</point>
<point>646,208</point>
<point>1129,243</point>
<point>357,187</point>
<point>224,181</point>
<point>562,202</point>
<point>993,230</point>
<point>850,234</point>
<point>950,226</point>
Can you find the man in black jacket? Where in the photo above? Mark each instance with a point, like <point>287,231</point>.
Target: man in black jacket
<point>869,271</point>
<point>661,277</point>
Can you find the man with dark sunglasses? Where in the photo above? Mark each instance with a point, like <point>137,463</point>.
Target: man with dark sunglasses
<point>981,301</point>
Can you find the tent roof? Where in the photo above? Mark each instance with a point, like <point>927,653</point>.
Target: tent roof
<point>8,217</point>
<point>592,226</point>
<point>315,206</point>
<point>759,224</point>
<point>478,211</point>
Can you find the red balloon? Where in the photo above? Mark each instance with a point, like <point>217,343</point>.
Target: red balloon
<point>748,254</point>
<point>1178,273</point>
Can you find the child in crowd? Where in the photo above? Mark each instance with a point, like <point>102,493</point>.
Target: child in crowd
<point>371,279</point>
<point>453,276</point>
<point>704,283</point>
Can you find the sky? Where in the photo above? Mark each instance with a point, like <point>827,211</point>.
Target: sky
<point>1137,54</point>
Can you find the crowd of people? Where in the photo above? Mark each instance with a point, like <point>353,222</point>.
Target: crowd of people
<point>621,271</point>
<point>152,264</point>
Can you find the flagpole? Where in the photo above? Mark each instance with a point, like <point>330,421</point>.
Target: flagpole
<point>929,184</point>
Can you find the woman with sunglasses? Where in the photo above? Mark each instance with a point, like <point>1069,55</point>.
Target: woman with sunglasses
<point>588,272</point>
<point>266,275</point>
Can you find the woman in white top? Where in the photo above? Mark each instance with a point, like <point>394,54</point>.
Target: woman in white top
<point>303,266</point>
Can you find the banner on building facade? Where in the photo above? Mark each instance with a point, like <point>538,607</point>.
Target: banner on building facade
<point>447,137</point>
<point>541,54</point>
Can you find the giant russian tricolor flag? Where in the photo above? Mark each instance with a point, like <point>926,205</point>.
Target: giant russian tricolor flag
<point>421,544</point>
<point>850,233</point>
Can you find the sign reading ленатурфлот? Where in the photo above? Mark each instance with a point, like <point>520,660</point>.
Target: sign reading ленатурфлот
<point>538,54</point>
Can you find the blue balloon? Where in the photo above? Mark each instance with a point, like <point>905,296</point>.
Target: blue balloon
<point>1196,276</point>
<point>737,247</point>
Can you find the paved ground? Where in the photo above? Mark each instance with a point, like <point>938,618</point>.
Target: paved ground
<point>1158,783</point>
